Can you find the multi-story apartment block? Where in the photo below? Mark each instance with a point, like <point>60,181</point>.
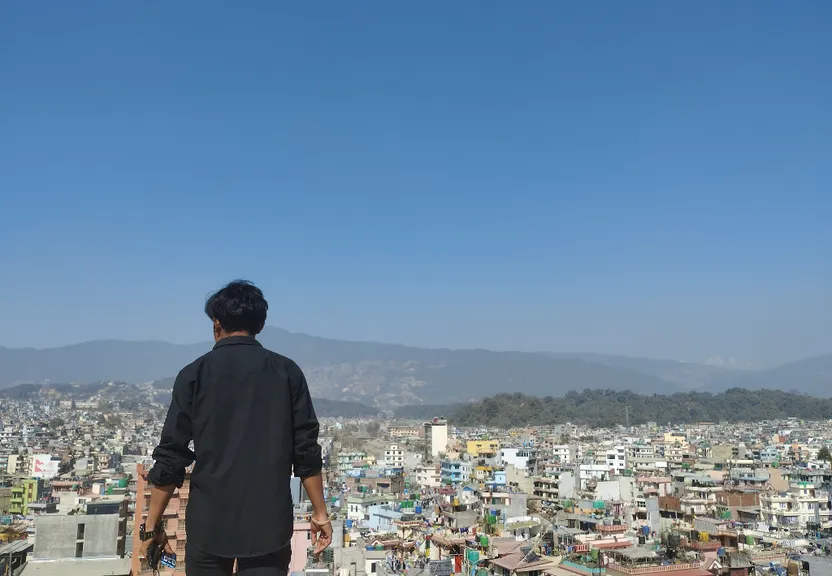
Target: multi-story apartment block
<point>436,438</point>
<point>801,504</point>
<point>394,456</point>
<point>616,459</point>
<point>427,475</point>
<point>454,471</point>
<point>173,518</point>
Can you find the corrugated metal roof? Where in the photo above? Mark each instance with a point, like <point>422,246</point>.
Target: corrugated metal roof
<point>16,547</point>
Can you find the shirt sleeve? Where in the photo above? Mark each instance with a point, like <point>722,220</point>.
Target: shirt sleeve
<point>173,455</point>
<point>306,458</point>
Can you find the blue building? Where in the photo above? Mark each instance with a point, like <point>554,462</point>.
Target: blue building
<point>454,471</point>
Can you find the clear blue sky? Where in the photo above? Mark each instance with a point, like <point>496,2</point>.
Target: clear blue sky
<point>650,178</point>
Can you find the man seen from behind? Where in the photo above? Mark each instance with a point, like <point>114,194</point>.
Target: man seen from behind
<point>249,414</point>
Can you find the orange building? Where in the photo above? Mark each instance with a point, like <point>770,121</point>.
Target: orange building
<point>174,518</point>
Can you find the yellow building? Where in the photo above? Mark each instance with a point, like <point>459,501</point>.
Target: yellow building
<point>477,447</point>
<point>671,438</point>
<point>30,490</point>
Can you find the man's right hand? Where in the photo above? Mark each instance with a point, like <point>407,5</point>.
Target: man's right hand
<point>321,533</point>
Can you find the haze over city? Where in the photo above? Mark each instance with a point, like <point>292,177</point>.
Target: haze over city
<point>643,179</point>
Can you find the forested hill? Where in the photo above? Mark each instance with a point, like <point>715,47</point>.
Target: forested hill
<point>609,408</point>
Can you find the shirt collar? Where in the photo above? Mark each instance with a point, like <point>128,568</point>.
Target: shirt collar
<point>233,340</point>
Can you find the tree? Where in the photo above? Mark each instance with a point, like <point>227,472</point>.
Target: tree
<point>824,455</point>
<point>373,429</point>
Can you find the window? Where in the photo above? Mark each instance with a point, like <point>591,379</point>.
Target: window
<point>80,532</point>
<point>79,550</point>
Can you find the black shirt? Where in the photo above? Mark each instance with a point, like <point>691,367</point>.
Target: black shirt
<point>250,416</point>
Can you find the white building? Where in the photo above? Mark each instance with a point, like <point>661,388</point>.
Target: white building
<point>592,471</point>
<point>358,505</point>
<point>436,438</point>
<point>427,476</point>
<point>562,453</point>
<point>394,457</point>
<point>517,457</point>
<point>616,458</point>
<point>347,460</point>
<point>793,509</point>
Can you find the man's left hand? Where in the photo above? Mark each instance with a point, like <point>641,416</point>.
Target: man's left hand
<point>161,540</point>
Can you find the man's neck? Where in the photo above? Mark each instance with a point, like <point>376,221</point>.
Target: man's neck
<point>238,333</point>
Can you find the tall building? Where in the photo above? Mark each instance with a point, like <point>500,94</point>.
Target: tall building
<point>174,519</point>
<point>394,456</point>
<point>436,438</point>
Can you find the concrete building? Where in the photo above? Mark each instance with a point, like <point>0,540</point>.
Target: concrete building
<point>616,458</point>
<point>358,505</point>
<point>394,456</point>
<point>26,493</point>
<point>562,453</point>
<point>427,475</point>
<point>174,519</point>
<point>517,457</point>
<point>802,503</point>
<point>454,471</point>
<point>436,438</point>
<point>78,536</point>
<point>405,432</point>
<point>478,447</point>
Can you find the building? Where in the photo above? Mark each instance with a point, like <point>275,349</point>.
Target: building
<point>28,492</point>
<point>517,457</point>
<point>405,432</point>
<point>454,471</point>
<point>79,536</point>
<point>801,504</point>
<point>350,460</point>
<point>358,505</point>
<point>436,438</point>
<point>477,447</point>
<point>427,475</point>
<point>174,519</point>
<point>561,453</point>
<point>696,493</point>
<point>616,459</point>
<point>394,456</point>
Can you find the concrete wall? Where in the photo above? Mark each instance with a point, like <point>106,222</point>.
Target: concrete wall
<point>56,536</point>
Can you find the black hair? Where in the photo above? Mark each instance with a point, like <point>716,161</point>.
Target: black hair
<point>238,307</point>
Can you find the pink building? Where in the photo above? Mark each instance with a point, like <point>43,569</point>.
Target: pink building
<point>174,518</point>
<point>301,540</point>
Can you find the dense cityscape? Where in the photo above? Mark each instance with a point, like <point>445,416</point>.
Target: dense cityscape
<point>429,496</point>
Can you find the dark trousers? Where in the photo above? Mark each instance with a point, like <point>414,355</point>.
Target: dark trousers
<point>199,563</point>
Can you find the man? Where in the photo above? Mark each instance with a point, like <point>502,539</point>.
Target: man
<point>250,416</point>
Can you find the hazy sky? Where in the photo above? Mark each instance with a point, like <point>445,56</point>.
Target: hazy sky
<point>650,178</point>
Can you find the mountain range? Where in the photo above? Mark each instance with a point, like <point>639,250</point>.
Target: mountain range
<point>390,375</point>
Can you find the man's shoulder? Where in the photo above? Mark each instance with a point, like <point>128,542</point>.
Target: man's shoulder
<point>190,371</point>
<point>285,362</point>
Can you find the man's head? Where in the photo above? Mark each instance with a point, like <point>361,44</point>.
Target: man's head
<point>238,309</point>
